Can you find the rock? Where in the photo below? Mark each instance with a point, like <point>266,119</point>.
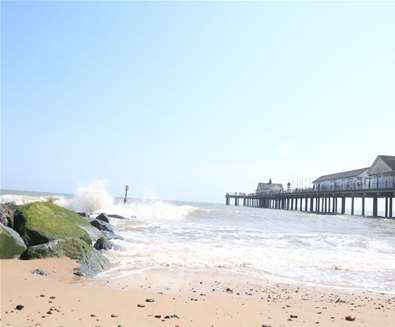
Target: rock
<point>7,212</point>
<point>93,232</point>
<point>102,226</point>
<point>11,244</point>
<point>40,272</point>
<point>350,318</point>
<point>19,307</point>
<point>41,222</point>
<point>103,244</point>
<point>91,261</point>
<point>103,217</point>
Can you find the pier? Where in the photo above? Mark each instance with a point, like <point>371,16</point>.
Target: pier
<point>332,194</point>
<point>320,202</point>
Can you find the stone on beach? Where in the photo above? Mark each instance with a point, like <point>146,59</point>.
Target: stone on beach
<point>91,260</point>
<point>103,217</point>
<point>11,244</point>
<point>103,244</point>
<point>40,272</point>
<point>102,226</point>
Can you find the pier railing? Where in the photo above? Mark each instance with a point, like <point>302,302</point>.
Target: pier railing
<point>373,186</point>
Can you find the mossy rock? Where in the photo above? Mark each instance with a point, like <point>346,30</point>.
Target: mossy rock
<point>41,222</point>
<point>91,260</point>
<point>11,244</point>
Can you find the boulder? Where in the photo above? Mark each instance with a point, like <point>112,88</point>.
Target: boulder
<point>91,261</point>
<point>11,244</point>
<point>7,211</point>
<point>93,232</point>
<point>103,244</point>
<point>101,225</point>
<point>41,222</point>
<point>103,217</point>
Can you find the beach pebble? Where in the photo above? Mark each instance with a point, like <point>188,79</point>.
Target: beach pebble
<point>39,272</point>
<point>19,307</point>
<point>293,316</point>
<point>149,300</point>
<point>350,318</point>
<point>113,315</point>
<point>140,306</point>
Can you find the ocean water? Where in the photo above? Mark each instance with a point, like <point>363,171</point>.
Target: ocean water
<point>341,251</point>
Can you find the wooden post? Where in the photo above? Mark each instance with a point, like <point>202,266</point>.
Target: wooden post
<point>343,205</point>
<point>390,208</point>
<point>126,193</point>
<point>311,204</point>
<point>363,206</point>
<point>227,200</point>
<point>386,207</point>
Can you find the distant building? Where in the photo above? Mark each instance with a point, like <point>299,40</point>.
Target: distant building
<point>381,174</point>
<point>269,188</point>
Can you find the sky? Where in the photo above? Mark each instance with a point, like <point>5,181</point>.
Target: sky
<point>190,100</point>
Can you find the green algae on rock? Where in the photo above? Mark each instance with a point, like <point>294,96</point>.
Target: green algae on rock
<point>41,222</point>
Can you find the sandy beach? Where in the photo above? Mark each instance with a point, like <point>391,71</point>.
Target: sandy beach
<point>63,299</point>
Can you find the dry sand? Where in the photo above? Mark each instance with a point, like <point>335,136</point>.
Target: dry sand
<point>62,299</point>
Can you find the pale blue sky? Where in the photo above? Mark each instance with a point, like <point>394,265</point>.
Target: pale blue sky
<point>190,100</point>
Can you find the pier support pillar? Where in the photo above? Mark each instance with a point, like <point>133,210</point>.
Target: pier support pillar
<point>335,205</point>
<point>386,206</point>
<point>363,206</point>
<point>343,205</point>
<point>227,201</point>
<point>352,206</point>
<point>390,208</point>
<point>311,204</point>
<point>375,206</point>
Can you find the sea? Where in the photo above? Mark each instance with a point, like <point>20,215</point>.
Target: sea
<point>342,251</point>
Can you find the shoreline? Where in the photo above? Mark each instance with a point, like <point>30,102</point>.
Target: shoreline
<point>206,300</point>
<point>237,277</point>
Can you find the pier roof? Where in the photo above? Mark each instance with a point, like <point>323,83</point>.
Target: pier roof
<point>344,174</point>
<point>389,160</point>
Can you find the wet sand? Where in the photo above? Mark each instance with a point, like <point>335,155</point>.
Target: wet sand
<point>63,299</point>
